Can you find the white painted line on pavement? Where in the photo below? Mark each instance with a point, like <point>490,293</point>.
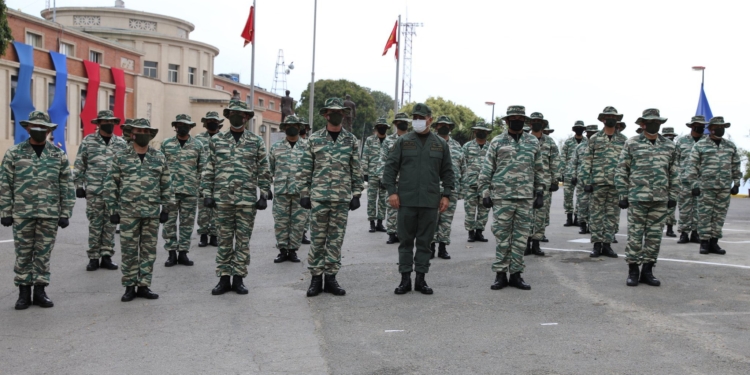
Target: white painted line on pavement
<point>549,324</point>
<point>735,230</point>
<point>6,241</point>
<point>581,240</point>
<point>727,313</point>
<point>393,330</point>
<point>660,259</point>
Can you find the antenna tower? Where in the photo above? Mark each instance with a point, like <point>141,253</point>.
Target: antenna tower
<point>279,77</point>
<point>409,32</point>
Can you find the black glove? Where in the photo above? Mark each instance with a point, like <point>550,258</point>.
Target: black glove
<point>562,179</point>
<point>588,188</point>
<point>354,203</point>
<point>305,203</point>
<point>80,193</point>
<point>164,215</point>
<point>671,203</point>
<point>574,181</point>
<point>539,201</point>
<point>696,192</point>
<point>7,221</point>
<point>261,204</point>
<point>63,222</point>
<point>114,219</point>
<point>624,204</point>
<point>487,202</point>
<point>209,202</point>
<point>554,187</point>
<point>367,178</point>
<point>270,195</point>
<point>735,190</point>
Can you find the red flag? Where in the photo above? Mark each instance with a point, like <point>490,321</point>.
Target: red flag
<point>392,40</point>
<point>248,33</point>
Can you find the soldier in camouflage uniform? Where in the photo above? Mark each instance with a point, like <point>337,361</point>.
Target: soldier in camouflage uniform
<point>402,122</point>
<point>574,168</point>
<point>330,183</point>
<point>688,223</point>
<point>186,158</point>
<point>475,152</point>
<point>598,177</point>
<point>91,166</point>
<point>548,156</point>
<point>376,194</point>
<point>554,150</point>
<point>444,126</point>
<point>304,133</point>
<point>669,134</point>
<point>566,174</point>
<point>647,186</point>
<point>207,215</point>
<point>713,172</point>
<point>36,196</point>
<point>289,217</point>
<point>237,168</point>
<point>512,182</point>
<point>137,184</point>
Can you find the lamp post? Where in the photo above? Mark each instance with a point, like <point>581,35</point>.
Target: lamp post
<point>492,119</point>
<point>702,69</point>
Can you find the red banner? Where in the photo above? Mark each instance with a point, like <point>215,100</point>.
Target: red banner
<point>118,76</point>
<point>248,33</point>
<point>89,111</point>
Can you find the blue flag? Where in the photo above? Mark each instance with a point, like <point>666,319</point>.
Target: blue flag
<point>703,108</point>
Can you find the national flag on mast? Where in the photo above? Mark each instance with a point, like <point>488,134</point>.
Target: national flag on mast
<point>248,33</point>
<point>392,39</point>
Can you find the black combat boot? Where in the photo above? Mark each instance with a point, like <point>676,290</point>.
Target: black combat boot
<point>633,274</point>
<point>517,281</point>
<point>282,257</point>
<point>305,241</point>
<point>108,264</point>
<point>332,286</point>
<point>597,250</point>
<point>392,238</point>
<point>544,239</point>
<point>405,285</point>
<point>575,221</point>
<point>647,275</point>
<point>379,226</point>
<point>172,259</point>
<point>614,238</point>
<point>93,265</point>
<point>584,228</point>
<point>223,286</point>
<point>684,238</point>
<point>129,294</point>
<point>432,250</point>
<point>203,241</point>
<point>705,247</point>
<point>24,297</point>
<point>145,292</point>
<point>714,247</point>
<point>694,237</point>
<point>420,285</point>
<point>535,249</point>
<point>443,252</point>
<point>214,241</point>
<point>569,221</point>
<point>372,226</point>
<point>527,252</point>
<point>183,259</point>
<point>471,236</point>
<point>238,286</point>
<point>670,231</point>
<point>501,281</point>
<point>291,256</point>
<point>607,251</point>
<point>316,286</point>
<point>479,237</point>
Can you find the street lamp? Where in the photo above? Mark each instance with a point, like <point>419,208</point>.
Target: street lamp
<point>702,69</point>
<point>492,119</point>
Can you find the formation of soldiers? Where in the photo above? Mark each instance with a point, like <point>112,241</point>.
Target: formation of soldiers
<point>318,178</point>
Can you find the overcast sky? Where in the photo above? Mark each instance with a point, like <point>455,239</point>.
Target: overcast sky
<point>566,59</point>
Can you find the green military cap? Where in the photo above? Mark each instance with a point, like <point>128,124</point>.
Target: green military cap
<point>183,119</point>
<point>592,128</point>
<point>290,120</point>
<point>538,116</point>
<point>515,110</point>
<point>480,125</point>
<point>303,121</point>
<point>38,118</point>
<point>697,120</point>
<point>236,105</point>
<point>105,115</point>
<point>651,114</point>
<point>401,116</point>
<point>141,123</point>
<point>444,120</point>
<point>382,121</point>
<point>609,111</point>
<point>579,124</point>
<point>668,131</point>
<point>547,130</point>
<point>719,120</point>
<point>212,115</point>
<point>334,103</point>
<point>621,125</point>
<point>421,109</point>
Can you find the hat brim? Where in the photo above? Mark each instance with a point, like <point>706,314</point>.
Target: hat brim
<point>408,120</point>
<point>549,131</point>
<point>507,116</point>
<point>619,116</point>
<point>48,125</point>
<point>335,107</point>
<point>178,122</point>
<point>480,128</point>
<point>666,134</point>
<point>690,124</point>
<point>205,119</point>
<point>96,120</point>
<point>726,124</point>
<point>650,118</point>
<point>226,111</point>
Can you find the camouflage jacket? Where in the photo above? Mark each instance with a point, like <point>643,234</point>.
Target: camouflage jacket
<point>548,155</point>
<point>387,147</point>
<point>647,172</point>
<point>371,155</point>
<point>457,159</point>
<point>567,157</point>
<point>93,161</point>
<point>713,167</point>
<point>284,161</point>
<point>137,189</point>
<point>330,170</point>
<point>575,163</point>
<point>684,145</point>
<point>185,163</point>
<point>512,170</point>
<point>236,170</point>
<point>205,140</point>
<point>474,157</point>
<point>600,159</point>
<point>36,187</point>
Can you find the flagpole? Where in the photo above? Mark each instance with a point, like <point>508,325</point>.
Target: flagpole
<point>398,46</point>
<point>252,67</point>
<point>312,80</point>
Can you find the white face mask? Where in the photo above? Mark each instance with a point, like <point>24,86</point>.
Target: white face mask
<point>419,125</point>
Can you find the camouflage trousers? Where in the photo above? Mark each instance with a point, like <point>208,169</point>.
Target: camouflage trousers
<point>547,208</point>
<point>582,204</point>
<point>138,238</point>
<point>101,231</point>
<point>688,212</point>
<point>184,207</point>
<point>327,230</point>
<point>645,225</point>
<point>512,227</point>
<point>541,218</point>
<point>288,221</point>
<point>444,222</point>
<point>416,229</point>
<point>476,214</point>
<point>377,198</point>
<point>604,213</point>
<point>712,211</point>
<point>206,219</point>
<point>671,216</point>
<point>34,240</point>
<point>235,226</point>
<point>568,192</point>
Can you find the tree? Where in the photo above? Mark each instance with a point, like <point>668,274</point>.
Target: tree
<point>326,88</point>
<point>383,103</point>
<point>5,35</point>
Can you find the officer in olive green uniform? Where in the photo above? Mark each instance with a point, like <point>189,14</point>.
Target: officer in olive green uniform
<point>207,215</point>
<point>422,160</point>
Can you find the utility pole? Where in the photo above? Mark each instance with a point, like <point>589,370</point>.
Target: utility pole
<point>408,33</point>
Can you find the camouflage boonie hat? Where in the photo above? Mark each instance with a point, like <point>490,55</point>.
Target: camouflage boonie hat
<point>719,120</point>
<point>236,105</point>
<point>547,130</point>
<point>401,116</point>
<point>334,103</point>
<point>303,121</point>
<point>697,120</point>
<point>579,124</point>
<point>444,120</point>
<point>668,131</point>
<point>139,123</point>
<point>39,118</point>
<point>621,125</point>
<point>290,120</point>
<point>515,110</point>
<point>609,111</point>
<point>105,115</point>
<point>526,128</point>
<point>538,116</point>
<point>592,128</point>
<point>481,125</point>
<point>421,109</point>
<point>382,121</point>
<point>183,119</point>
<point>212,115</point>
<point>651,114</point>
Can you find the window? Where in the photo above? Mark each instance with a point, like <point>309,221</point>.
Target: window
<point>34,40</point>
<point>191,76</point>
<point>261,102</point>
<point>50,93</point>
<point>13,87</point>
<point>271,105</point>
<point>248,100</point>
<point>111,102</point>
<point>150,68</point>
<point>205,78</point>
<point>219,87</point>
<point>174,71</point>
<point>95,57</point>
<point>67,49</point>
